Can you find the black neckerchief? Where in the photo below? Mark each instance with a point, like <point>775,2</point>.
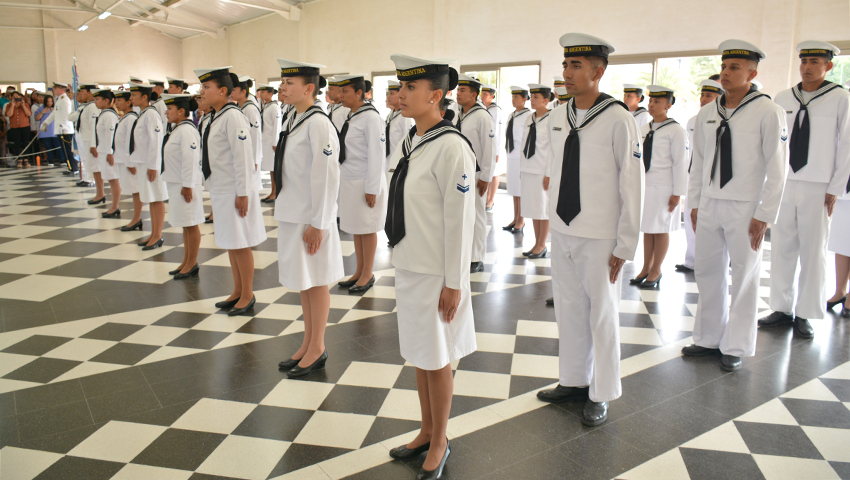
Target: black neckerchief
<point>569,199</point>
<point>119,124</point>
<point>205,155</point>
<point>394,226</point>
<point>342,133</point>
<point>165,140</point>
<point>638,111</point>
<point>392,116</point>
<point>97,140</point>
<point>461,115</point>
<point>531,140</point>
<point>509,135</point>
<point>723,136</point>
<point>647,142</point>
<point>280,149</point>
<point>133,128</point>
<point>799,142</point>
<point>80,117</point>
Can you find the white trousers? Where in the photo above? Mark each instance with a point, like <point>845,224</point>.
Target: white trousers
<point>723,233</point>
<point>799,237</point>
<point>479,238</point>
<point>587,312</point>
<point>689,238</point>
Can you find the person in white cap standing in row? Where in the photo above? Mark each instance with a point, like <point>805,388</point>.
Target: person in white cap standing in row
<point>158,87</point>
<point>513,152</point>
<point>103,145</point>
<point>632,97</point>
<point>83,118</point>
<point>146,137</point>
<point>124,162</point>
<point>242,96</point>
<point>558,82</point>
<point>488,96</point>
<point>536,168</point>
<point>271,124</point>
<point>397,125</point>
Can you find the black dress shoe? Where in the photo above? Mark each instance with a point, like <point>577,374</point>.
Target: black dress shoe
<point>402,452</point>
<point>347,283</point>
<point>538,255</point>
<point>508,228</point>
<point>175,272</point>
<point>82,183</point>
<point>115,214</point>
<point>637,280</point>
<point>297,371</point>
<point>562,394</point>
<point>191,273</point>
<point>476,267</point>
<point>594,414</point>
<point>239,311</point>
<point>130,228</point>
<point>155,245</point>
<point>550,302</point>
<point>776,319</point>
<point>525,254</point>
<point>208,220</point>
<point>647,285</point>
<point>730,363</point>
<point>490,208</point>
<point>683,269</point>
<point>517,230</point>
<point>802,328</point>
<point>437,472</point>
<point>288,364</point>
<point>362,288</point>
<point>226,304</point>
<point>268,200</point>
<point>95,202</point>
<point>831,305</point>
<point>697,351</point>
<point>143,242</point>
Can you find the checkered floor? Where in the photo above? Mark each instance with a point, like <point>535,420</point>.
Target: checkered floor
<point>111,369</point>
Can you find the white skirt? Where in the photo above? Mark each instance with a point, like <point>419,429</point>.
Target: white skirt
<point>267,164</point>
<point>355,216</point>
<point>150,192</point>
<point>535,200</point>
<point>839,233</point>
<point>513,176</point>
<point>182,214</point>
<point>656,215</point>
<point>91,164</point>
<point>107,172</point>
<point>129,183</point>
<point>298,269</point>
<point>232,231</point>
<point>425,340</point>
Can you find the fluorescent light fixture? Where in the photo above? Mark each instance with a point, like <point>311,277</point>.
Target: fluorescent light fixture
<point>83,28</point>
<point>103,15</point>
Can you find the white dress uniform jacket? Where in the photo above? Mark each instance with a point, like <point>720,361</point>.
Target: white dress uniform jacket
<point>123,159</point>
<point>104,129</point>
<point>338,114</point>
<point>398,128</point>
<point>252,114</point>
<point>667,176</point>
<point>60,114</point>
<point>514,157</point>
<point>161,108</point>
<point>534,168</point>
<point>363,172</point>
<point>690,238</point>
<point>83,119</point>
<point>495,111</point>
<point>642,117</point>
<point>271,123</point>
<point>182,157</point>
<point>147,137</point>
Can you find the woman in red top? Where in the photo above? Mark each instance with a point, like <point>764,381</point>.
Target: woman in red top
<point>19,134</point>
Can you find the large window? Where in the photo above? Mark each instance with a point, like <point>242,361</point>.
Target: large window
<point>380,82</point>
<point>840,72</point>
<point>618,74</point>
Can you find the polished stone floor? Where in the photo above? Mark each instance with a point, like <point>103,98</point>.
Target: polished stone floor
<point>110,369</point>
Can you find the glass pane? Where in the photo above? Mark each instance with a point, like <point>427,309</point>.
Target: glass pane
<point>840,72</point>
<point>616,75</point>
<point>684,75</point>
<point>36,86</point>
<point>379,93</point>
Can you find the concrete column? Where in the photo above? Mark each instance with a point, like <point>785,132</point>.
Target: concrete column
<point>778,41</point>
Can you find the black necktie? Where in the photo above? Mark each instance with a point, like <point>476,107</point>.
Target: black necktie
<point>344,131</point>
<point>164,141</point>
<point>569,196</point>
<point>80,117</point>
<point>799,142</point>
<point>278,156</point>
<point>531,140</point>
<point>509,135</point>
<point>205,151</point>
<point>723,137</point>
<point>647,144</point>
<point>387,134</point>
<point>133,133</point>
<point>96,140</point>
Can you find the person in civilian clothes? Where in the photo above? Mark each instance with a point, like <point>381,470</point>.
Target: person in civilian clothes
<point>536,167</point>
<point>124,161</point>
<point>146,142</point>
<point>104,148</point>
<point>513,148</point>
<point>271,123</point>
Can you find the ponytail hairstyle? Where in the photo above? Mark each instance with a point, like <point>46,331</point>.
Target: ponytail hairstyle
<point>227,82</point>
<point>191,104</point>
<point>444,83</point>
<point>153,96</point>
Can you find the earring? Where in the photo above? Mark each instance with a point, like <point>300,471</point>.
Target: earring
<point>432,101</point>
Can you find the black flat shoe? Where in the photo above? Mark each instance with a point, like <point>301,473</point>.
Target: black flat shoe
<point>538,255</point>
<point>550,302</point>
<point>831,305</point>
<point>683,269</point>
<point>115,214</point>
<point>437,472</point>
<point>268,200</point>
<point>208,220</point>
<point>508,228</point>
<point>730,363</point>
<point>95,202</point>
<point>130,228</point>
<point>562,394</point>
<point>637,280</point>
<point>226,304</point>
<point>776,319</point>
<point>191,273</point>
<point>517,230</point>
<point>347,283</point>
<point>476,267</point>
<point>402,452</point>
<point>594,414</point>
<point>246,308</point>
<point>697,351</point>
<point>155,245</point>
<point>288,364</point>
<point>297,371</point>
<point>647,285</point>
<point>362,288</point>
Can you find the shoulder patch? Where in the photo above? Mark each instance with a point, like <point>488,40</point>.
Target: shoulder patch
<point>328,150</point>
<point>462,182</point>
<point>241,135</point>
<point>492,135</point>
<point>636,150</point>
<point>383,137</point>
<point>784,134</point>
<point>193,145</point>
<point>157,128</point>
<point>111,128</point>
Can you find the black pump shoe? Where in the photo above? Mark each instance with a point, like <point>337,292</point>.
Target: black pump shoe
<point>637,280</point>
<point>476,267</point>
<point>437,472</point>
<point>515,230</point>
<point>95,202</point>
<point>246,308</point>
<point>347,283</point>
<point>175,272</point>
<point>508,228</point>
<point>538,255</point>
<point>831,305</point>
<point>191,273</point>
<point>130,228</point>
<point>115,214</point>
<point>647,285</point>
<point>226,304</point>
<point>155,245</point>
<point>304,371</point>
<point>362,288</point>
<point>143,242</point>
<point>288,364</point>
<point>402,452</point>
<point>208,220</point>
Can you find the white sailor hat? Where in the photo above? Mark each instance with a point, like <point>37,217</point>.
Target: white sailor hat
<point>125,94</point>
<point>42,93</point>
<point>393,85</point>
<point>103,93</point>
<point>562,94</point>
<point>740,49</point>
<point>559,82</point>
<point>632,88</point>
<point>658,91</point>
<point>263,86</point>
<point>179,100</point>
<point>814,48</point>
<point>468,81</point>
<point>541,89</point>
<point>175,81</point>
<point>583,45</point>
<point>205,74</point>
<point>243,78</point>
<point>141,87</point>
<point>757,84</point>
<point>409,68</point>
<point>60,84</point>
<point>343,80</point>
<point>156,82</point>
<point>710,86</point>
<point>87,86</point>
<point>515,90</point>
<point>291,68</point>
<point>488,88</point>
<point>136,79</point>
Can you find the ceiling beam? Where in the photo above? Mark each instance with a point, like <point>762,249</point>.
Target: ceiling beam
<point>294,13</point>
<point>38,6</point>
<point>170,7</point>
<point>164,24</point>
<point>97,14</point>
<point>36,28</point>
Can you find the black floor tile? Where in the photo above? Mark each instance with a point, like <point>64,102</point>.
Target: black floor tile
<point>350,399</point>
<point>77,468</point>
<point>274,423</point>
<point>536,345</point>
<point>378,304</point>
<point>385,428</point>
<point>163,417</point>
<point>180,449</point>
<point>841,468</point>
<point>244,375</point>
<point>42,370</point>
<point>548,465</point>
<point>462,404</point>
<point>389,470</point>
<point>62,442</point>
<point>290,298</point>
<point>181,319</point>
<point>815,413</point>
<point>264,326</point>
<point>521,384</point>
<point>9,431</point>
<point>647,434</point>
<point>113,331</point>
<point>714,465</point>
<point>36,345</point>
<point>73,249</point>
<point>113,406</point>
<point>7,404</point>
<point>778,440</point>
<point>46,396</point>
<point>550,425</point>
<point>686,415</point>
<point>620,456</point>
<point>173,368</point>
<point>112,382</point>
<point>840,388</point>
<point>185,389</point>
<point>125,353</point>
<point>201,339</point>
<point>58,419</point>
<point>503,444</point>
<point>68,234</point>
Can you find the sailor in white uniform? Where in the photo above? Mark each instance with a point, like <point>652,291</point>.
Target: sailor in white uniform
<point>319,100</point>
<point>558,82</point>
<point>337,112</point>
<point>562,96</point>
<point>146,143</point>
<point>104,143</point>
<point>64,128</point>
<point>594,209</point>
<point>513,152</point>
<point>709,91</point>
<point>432,222</point>
<point>176,86</point>
<point>181,171</point>
<point>818,115</point>
<point>665,159</point>
<point>488,96</point>
<point>242,96</point>
<point>476,125</point>
<point>271,123</point>
<point>536,168</point>
<point>736,183</point>
<point>363,183</point>
<point>204,112</point>
<point>124,162</point>
<point>397,125</point>
<point>839,243</point>
<point>159,104</point>
<point>228,164</point>
<point>632,97</point>
<point>83,118</point>
<point>308,246</point>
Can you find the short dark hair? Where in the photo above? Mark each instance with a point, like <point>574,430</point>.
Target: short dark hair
<point>227,82</point>
<point>715,77</point>
<point>597,62</point>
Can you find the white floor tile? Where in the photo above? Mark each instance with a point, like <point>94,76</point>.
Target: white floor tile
<point>114,236</point>
<point>832,443</point>
<point>155,335</point>
<point>222,323</point>
<point>298,394</point>
<point>165,353</point>
<point>145,272</point>
<point>244,457</point>
<point>28,245</point>
<point>495,342</point>
<point>261,260</point>
<point>542,366</point>
<point>331,429</point>
<point>813,390</point>
<point>640,336</point>
<point>86,369</point>
<point>531,328</point>
<point>667,466</point>
<point>672,322</point>
<point>25,464</point>
<point>724,438</point>
<point>132,471</point>
<point>239,339</point>
<point>130,251</point>
<point>366,374</point>
<point>38,288</point>
<point>773,412</point>
<point>216,416</point>
<point>22,219</point>
<point>840,373</point>
<point>789,468</point>
<point>23,231</point>
<point>80,349</point>
<point>482,384</point>
<point>401,404</point>
<point>118,441</point>
<point>280,311</point>
<point>9,362</point>
<point>29,264</point>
